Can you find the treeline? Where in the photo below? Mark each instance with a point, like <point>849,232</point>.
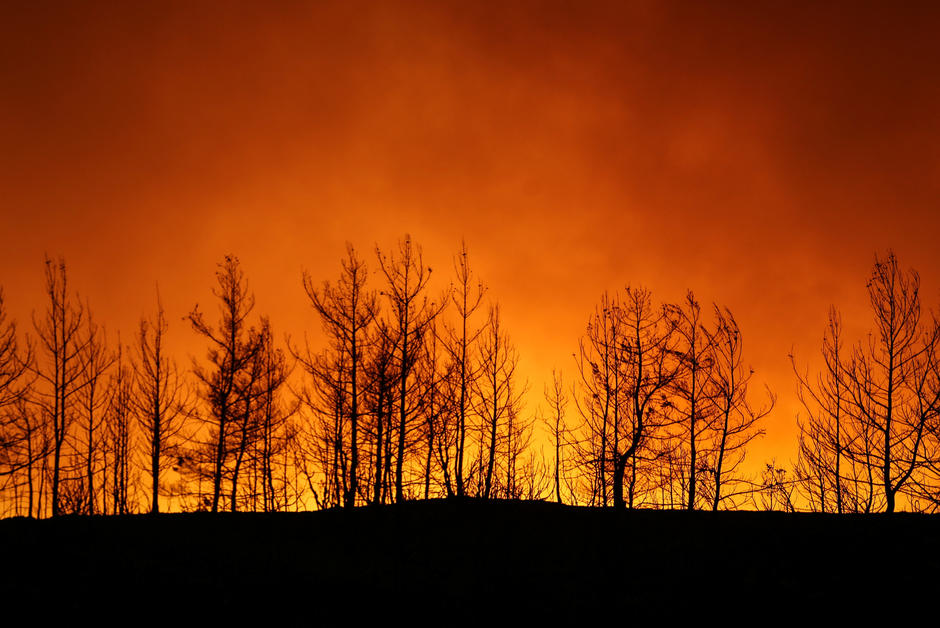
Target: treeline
<point>414,392</point>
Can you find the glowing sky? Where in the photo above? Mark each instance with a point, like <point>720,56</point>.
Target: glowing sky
<point>759,154</point>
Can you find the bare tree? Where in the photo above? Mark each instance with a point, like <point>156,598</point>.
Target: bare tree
<point>436,374</point>
<point>14,361</point>
<point>690,387</point>
<point>23,439</point>
<point>498,400</point>
<point>60,367</point>
<point>263,435</point>
<point>601,403</point>
<point>380,403</point>
<point>254,396</point>
<point>18,422</point>
<point>410,314</point>
<point>275,434</point>
<point>556,398</point>
<point>823,435</point>
<point>775,490</point>
<point>347,311</point>
<point>834,469</point>
<point>736,419</point>
<point>120,438</point>
<point>649,368</point>
<point>162,400</point>
<point>891,381</point>
<point>527,479</point>
<point>233,345</point>
<point>466,297</point>
<point>627,363</point>
<point>323,454</point>
<point>92,400</point>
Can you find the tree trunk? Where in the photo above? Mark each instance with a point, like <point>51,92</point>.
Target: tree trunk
<point>377,488</point>
<point>354,426</point>
<point>155,465</point>
<point>219,457</point>
<point>620,467</point>
<point>402,416</point>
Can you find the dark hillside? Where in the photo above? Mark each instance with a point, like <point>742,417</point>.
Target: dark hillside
<point>451,562</point>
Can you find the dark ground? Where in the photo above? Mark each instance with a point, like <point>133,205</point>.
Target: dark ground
<point>448,562</point>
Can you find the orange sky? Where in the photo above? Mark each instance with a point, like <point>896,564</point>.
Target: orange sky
<point>760,155</point>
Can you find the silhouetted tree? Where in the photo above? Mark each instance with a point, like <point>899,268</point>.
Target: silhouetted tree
<point>259,395</point>
<point>736,421</point>
<point>602,400</point>
<point>466,297</point>
<point>17,422</point>
<point>233,345</point>
<point>891,382</point>
<point>380,403</point>
<point>92,400</point>
<point>162,400</point>
<point>14,361</point>
<point>925,486</point>
<point>871,413</point>
<point>775,490</point>
<point>823,434</point>
<point>690,387</point>
<point>834,469</point>
<point>556,399</point>
<point>435,372</point>
<point>119,437</point>
<point>60,366</point>
<point>268,438</point>
<point>347,311</point>
<point>498,400</point>
<point>519,430</point>
<point>628,363</point>
<point>25,441</point>
<point>322,448</point>
<point>649,368</point>
<point>410,314</point>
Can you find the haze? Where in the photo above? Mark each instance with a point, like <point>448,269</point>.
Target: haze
<point>758,154</point>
